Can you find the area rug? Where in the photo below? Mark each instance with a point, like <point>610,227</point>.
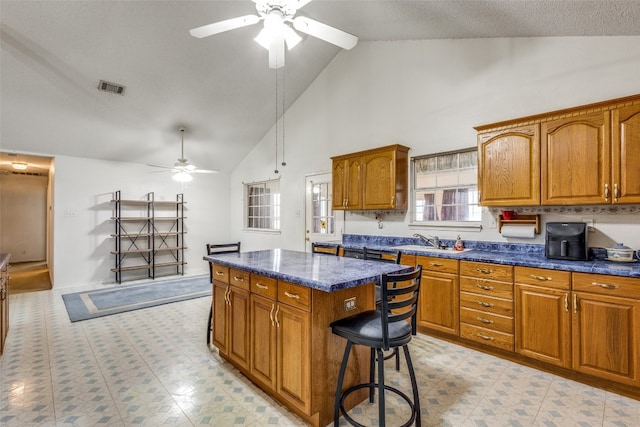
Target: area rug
<point>104,302</point>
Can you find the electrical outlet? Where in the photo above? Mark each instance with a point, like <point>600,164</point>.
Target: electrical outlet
<point>350,304</point>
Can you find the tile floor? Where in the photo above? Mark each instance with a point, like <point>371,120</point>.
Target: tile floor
<point>152,368</point>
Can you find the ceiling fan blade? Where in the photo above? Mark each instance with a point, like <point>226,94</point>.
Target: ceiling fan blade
<point>161,167</point>
<point>222,26</point>
<point>276,54</point>
<point>325,32</point>
<point>206,171</point>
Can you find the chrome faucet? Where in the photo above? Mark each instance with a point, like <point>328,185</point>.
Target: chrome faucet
<point>430,240</point>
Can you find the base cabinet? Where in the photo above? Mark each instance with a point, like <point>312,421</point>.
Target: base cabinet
<point>543,315</point>
<point>439,295</point>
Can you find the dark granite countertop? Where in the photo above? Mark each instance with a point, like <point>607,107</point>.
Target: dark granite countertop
<point>318,271</point>
<point>526,255</point>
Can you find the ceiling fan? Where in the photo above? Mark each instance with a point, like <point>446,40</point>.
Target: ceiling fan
<point>182,170</point>
<point>276,15</point>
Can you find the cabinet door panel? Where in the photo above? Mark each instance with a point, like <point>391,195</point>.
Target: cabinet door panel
<point>263,341</point>
<point>339,183</point>
<point>220,324</point>
<point>509,167</point>
<point>606,337</point>
<point>576,160</point>
<point>379,181</point>
<point>543,324</point>
<point>294,356</point>
<point>439,302</point>
<point>625,137</point>
<point>239,321</point>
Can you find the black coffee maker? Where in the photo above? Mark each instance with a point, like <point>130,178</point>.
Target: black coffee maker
<point>566,240</point>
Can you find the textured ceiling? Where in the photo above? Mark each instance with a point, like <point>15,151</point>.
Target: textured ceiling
<point>220,88</point>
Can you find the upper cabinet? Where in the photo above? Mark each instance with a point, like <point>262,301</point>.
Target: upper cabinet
<point>575,160</point>
<point>625,151</point>
<point>580,156</point>
<point>372,179</point>
<point>509,166</point>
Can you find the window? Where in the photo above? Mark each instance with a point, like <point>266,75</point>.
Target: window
<point>321,212</point>
<point>445,187</point>
<point>263,205</point>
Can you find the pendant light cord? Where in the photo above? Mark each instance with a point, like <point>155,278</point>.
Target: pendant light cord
<point>283,106</point>
<point>276,170</point>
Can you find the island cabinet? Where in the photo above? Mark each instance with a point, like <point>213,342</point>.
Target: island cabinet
<point>278,334</point>
<point>231,314</point>
<point>543,315</point>
<point>606,327</point>
<point>509,166</point>
<point>438,308</point>
<point>372,179</point>
<point>486,304</point>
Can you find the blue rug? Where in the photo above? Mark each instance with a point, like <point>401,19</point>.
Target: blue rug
<point>104,302</point>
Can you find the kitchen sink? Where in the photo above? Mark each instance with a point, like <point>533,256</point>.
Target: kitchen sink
<point>428,249</point>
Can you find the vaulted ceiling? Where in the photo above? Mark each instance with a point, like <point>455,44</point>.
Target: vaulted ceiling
<point>220,88</point>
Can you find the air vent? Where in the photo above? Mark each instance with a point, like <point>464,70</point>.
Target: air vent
<point>111,87</point>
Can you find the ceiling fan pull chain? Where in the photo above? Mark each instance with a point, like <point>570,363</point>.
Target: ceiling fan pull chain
<point>283,113</point>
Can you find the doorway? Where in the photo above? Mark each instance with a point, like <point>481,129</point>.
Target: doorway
<point>26,219</point>
<point>320,224</point>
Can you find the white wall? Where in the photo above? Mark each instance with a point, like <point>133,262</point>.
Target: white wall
<point>429,95</point>
<point>82,211</point>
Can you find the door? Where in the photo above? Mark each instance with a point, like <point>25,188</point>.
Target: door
<point>320,223</point>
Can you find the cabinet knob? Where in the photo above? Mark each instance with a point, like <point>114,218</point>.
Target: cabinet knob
<point>615,193</point>
<point>261,286</point>
<point>606,192</point>
<point>485,337</point>
<point>484,304</point>
<point>605,285</point>
<point>533,276</point>
<point>290,295</point>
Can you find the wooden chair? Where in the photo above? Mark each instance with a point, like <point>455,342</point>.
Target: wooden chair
<point>212,249</point>
<point>325,248</point>
<point>380,330</point>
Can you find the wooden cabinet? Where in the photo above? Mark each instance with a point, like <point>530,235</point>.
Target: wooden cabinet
<point>581,155</point>
<point>625,154</point>
<point>543,315</point>
<point>4,300</point>
<point>347,183</point>
<point>231,314</point>
<point>606,331</point>
<point>509,166</point>
<point>486,304</point>
<point>438,308</point>
<point>576,160</point>
<point>372,179</point>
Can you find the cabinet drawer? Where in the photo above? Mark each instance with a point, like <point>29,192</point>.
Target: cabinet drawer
<point>486,271</point>
<point>607,285</point>
<point>295,295</point>
<point>264,286</point>
<point>487,336</point>
<point>487,320</point>
<point>443,265</point>
<point>543,277</point>
<point>486,304</point>
<point>486,287</point>
<point>239,278</point>
<point>221,273</point>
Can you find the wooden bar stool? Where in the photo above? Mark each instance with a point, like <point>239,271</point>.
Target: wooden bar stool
<point>383,329</point>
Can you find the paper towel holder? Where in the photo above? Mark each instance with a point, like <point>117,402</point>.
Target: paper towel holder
<point>520,219</point>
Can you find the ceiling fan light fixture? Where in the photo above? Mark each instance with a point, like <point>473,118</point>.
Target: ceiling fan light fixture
<point>19,165</point>
<point>275,29</point>
<point>183,177</point>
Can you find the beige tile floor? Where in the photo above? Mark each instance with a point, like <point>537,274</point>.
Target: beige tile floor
<point>152,368</point>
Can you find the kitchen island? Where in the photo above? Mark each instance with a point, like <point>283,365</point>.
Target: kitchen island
<point>271,315</point>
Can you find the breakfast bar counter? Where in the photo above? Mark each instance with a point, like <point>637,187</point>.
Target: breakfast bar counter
<point>272,311</point>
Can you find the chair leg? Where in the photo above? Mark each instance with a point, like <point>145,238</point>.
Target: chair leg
<point>397,354</point>
<point>381,410</point>
<point>338,401</point>
<point>210,326</point>
<point>414,385</point>
<point>372,373</point>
